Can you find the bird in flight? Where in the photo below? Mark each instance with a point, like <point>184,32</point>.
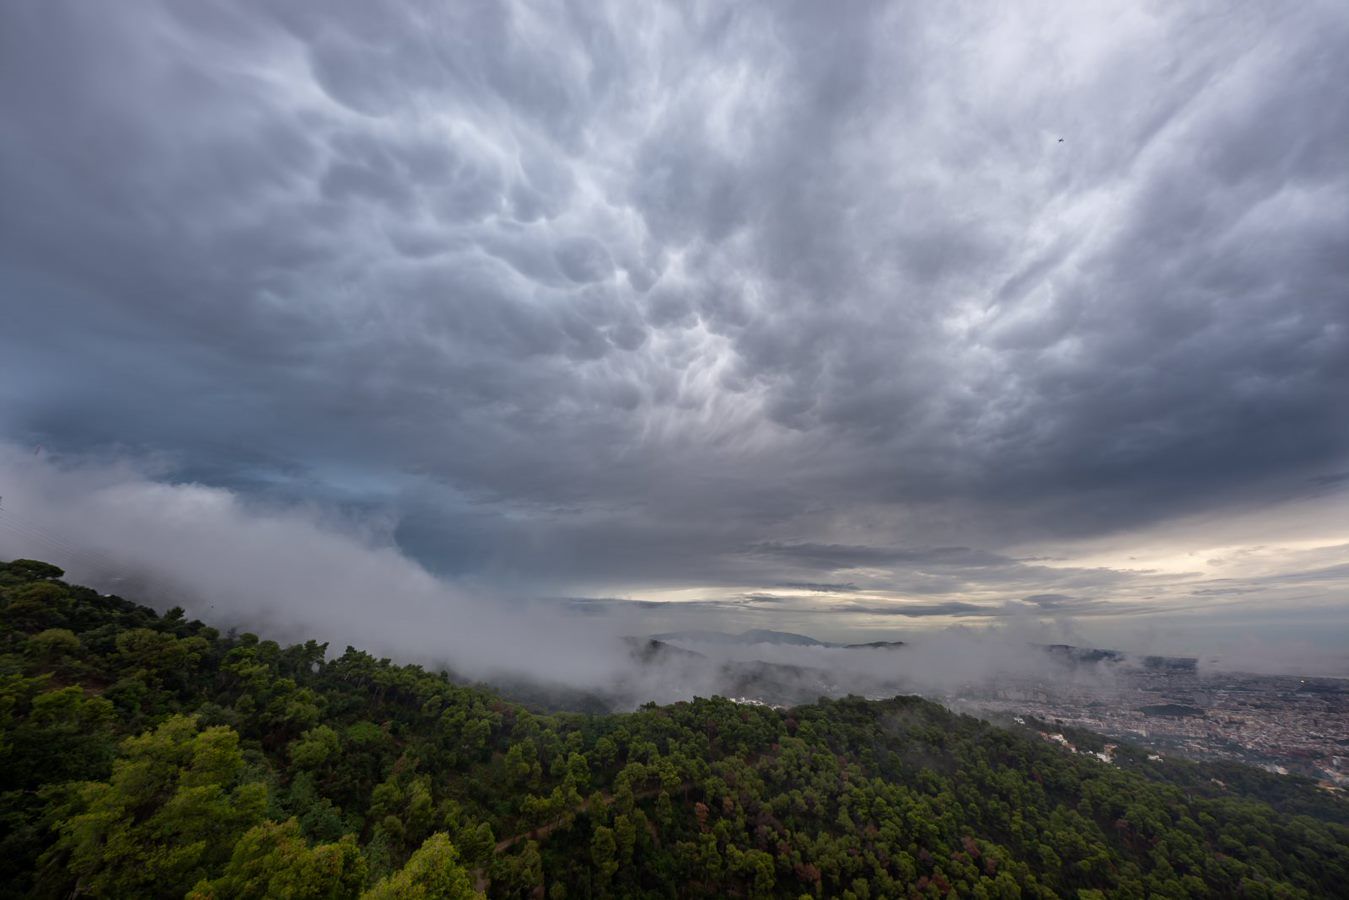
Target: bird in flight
<point>1060,140</point>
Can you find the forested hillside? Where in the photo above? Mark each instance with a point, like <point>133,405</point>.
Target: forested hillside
<point>145,755</point>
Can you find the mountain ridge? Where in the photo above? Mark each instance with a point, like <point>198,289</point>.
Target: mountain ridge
<point>146,754</point>
<point>754,636</point>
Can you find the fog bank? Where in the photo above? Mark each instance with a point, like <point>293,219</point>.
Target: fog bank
<point>294,572</point>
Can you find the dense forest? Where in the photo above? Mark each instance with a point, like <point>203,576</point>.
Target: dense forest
<point>147,755</point>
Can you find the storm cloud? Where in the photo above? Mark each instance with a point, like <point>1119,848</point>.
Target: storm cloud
<point>688,302</point>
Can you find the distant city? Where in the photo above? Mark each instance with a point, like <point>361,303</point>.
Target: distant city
<point>1281,723</point>
<point>1169,705</point>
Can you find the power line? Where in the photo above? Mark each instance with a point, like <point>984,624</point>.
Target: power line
<point>45,539</point>
<point>88,556</point>
<point>42,532</point>
<point>64,551</point>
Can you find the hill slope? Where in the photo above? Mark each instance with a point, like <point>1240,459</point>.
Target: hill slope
<point>146,755</point>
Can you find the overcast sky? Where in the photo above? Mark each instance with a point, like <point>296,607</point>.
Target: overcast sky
<point>846,319</point>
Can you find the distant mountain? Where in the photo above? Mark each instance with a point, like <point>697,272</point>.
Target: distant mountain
<point>649,650</point>
<point>1073,655</point>
<point>762,636</point>
<point>1063,653</point>
<point>1069,653</point>
<point>753,636</point>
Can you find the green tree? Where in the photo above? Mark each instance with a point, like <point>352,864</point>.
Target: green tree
<point>433,873</point>
<point>52,647</point>
<point>315,747</point>
<point>166,819</point>
<point>274,860</point>
<point>32,569</point>
<point>604,855</point>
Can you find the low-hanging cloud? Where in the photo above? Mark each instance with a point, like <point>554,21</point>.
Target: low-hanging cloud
<point>297,572</point>
<point>288,573</point>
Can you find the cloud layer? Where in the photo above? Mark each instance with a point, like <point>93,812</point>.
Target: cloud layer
<point>296,571</point>
<point>597,300</point>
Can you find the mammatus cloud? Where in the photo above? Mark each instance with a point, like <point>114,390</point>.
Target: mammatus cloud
<point>700,302</point>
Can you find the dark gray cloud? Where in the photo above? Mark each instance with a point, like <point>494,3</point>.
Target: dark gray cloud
<point>1010,608</point>
<point>821,587</point>
<point>770,297</point>
<point>922,610</point>
<point>836,557</point>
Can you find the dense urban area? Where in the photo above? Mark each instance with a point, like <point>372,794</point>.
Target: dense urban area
<point>1170,705</point>
<point>1284,724</point>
